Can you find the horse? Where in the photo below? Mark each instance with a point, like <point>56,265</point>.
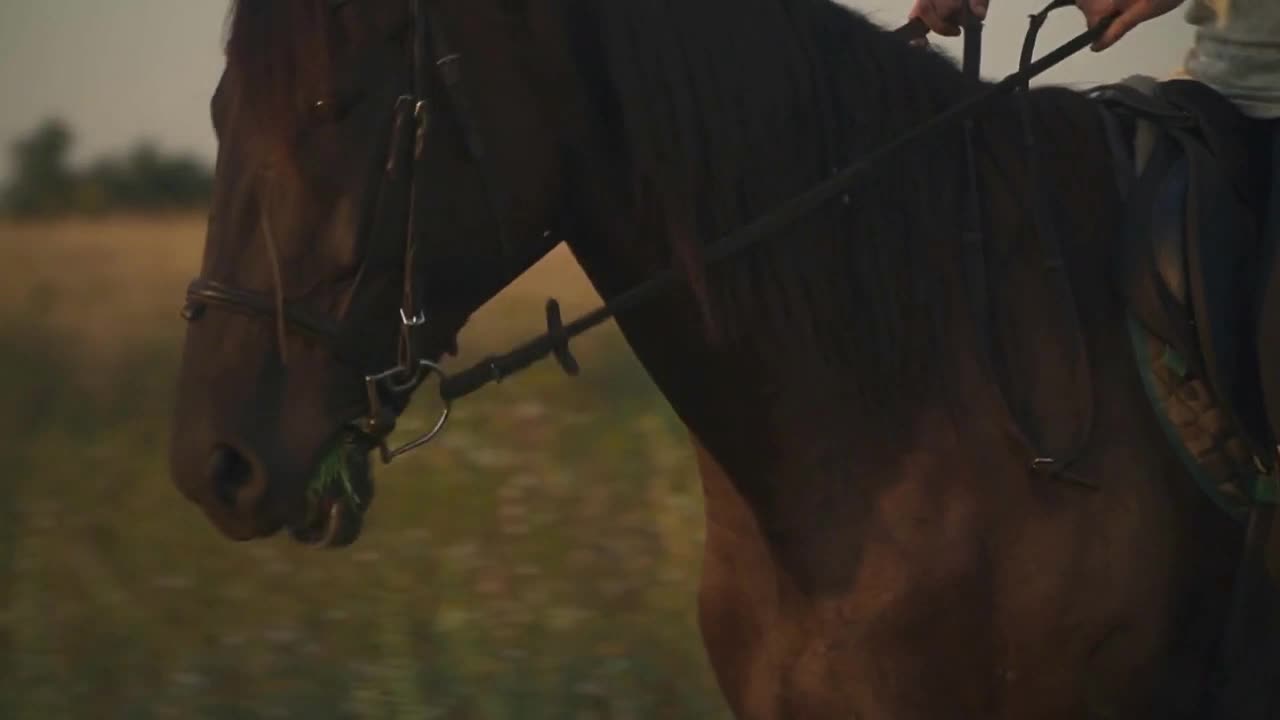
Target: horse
<point>879,542</point>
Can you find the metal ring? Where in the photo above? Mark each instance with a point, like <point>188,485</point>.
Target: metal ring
<point>389,454</point>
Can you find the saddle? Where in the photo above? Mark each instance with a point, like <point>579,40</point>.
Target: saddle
<point>1188,271</point>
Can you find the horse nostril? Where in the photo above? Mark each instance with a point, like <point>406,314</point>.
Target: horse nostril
<point>228,471</point>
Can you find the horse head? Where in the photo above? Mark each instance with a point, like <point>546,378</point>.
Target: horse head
<point>373,188</point>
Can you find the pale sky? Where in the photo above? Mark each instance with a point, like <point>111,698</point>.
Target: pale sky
<point>123,70</point>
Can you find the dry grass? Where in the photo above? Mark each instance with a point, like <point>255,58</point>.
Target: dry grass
<point>103,283</point>
<point>110,284</point>
<point>540,562</point>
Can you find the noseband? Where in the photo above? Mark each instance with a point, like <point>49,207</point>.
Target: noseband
<point>399,165</point>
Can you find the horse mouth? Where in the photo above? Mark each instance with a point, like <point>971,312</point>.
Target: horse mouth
<point>338,495</point>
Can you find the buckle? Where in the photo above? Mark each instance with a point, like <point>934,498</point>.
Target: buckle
<point>416,321</point>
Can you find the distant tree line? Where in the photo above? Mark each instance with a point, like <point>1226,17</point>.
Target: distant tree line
<point>143,179</point>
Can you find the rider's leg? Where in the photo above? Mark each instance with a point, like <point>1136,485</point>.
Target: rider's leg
<point>1268,332</point>
<point>1258,669</point>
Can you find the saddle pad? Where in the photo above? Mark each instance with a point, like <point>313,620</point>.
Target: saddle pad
<point>1206,440</point>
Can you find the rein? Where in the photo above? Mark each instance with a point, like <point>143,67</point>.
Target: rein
<point>555,341</point>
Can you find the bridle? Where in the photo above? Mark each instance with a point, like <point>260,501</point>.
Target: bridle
<point>400,162</point>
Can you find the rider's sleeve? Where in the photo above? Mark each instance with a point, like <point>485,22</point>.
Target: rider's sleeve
<point>1237,52</point>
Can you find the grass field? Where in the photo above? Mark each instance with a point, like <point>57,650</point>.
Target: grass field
<point>541,561</point>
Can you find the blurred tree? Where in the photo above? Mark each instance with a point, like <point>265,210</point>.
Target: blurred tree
<point>42,178</point>
<point>142,180</point>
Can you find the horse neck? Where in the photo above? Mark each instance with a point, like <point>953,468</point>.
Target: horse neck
<point>758,400</point>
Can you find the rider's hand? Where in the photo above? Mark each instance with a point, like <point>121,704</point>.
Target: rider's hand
<point>1131,14</point>
<point>943,16</point>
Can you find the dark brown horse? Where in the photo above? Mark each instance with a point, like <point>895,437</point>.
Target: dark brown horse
<point>877,547</point>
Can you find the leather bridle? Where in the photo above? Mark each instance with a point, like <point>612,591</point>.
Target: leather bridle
<point>388,390</point>
<point>400,166</point>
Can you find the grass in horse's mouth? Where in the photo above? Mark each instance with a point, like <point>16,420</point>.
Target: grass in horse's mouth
<point>338,494</point>
<point>333,478</point>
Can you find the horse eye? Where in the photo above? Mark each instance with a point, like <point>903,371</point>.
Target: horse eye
<point>324,112</point>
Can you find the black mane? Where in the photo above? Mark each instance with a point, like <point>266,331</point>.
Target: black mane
<point>726,108</point>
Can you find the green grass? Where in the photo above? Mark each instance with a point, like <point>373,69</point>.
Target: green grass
<point>539,561</point>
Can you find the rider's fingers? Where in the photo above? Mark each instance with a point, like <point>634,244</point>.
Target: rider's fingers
<point>1135,14</point>
<point>927,10</point>
<point>1095,10</point>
